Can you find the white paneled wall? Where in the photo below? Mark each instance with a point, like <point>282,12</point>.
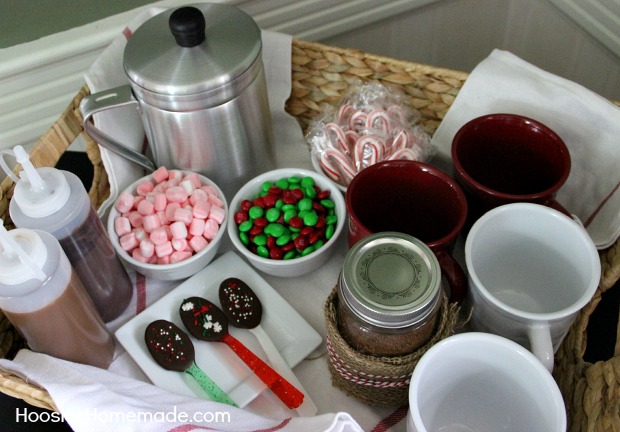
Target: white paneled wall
<point>458,34</point>
<point>38,79</point>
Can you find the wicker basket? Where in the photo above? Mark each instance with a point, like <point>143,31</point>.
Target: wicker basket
<point>321,75</point>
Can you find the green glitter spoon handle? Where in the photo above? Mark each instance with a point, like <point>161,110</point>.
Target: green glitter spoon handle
<point>207,384</point>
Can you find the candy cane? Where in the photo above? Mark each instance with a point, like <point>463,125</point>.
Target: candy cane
<point>400,141</point>
<point>344,114</point>
<point>340,138</point>
<point>368,148</point>
<point>403,154</point>
<point>357,121</point>
<point>352,138</point>
<point>337,166</point>
<point>378,119</point>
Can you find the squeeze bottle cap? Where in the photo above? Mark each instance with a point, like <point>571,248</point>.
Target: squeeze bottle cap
<point>22,256</point>
<point>39,192</point>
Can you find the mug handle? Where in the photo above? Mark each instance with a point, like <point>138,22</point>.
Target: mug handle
<point>541,344</point>
<point>554,204</point>
<point>454,274</point>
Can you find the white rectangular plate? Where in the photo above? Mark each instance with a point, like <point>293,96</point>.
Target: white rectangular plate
<point>291,334</point>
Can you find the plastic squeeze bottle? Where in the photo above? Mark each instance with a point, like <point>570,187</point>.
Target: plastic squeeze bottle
<point>56,201</point>
<point>45,300</point>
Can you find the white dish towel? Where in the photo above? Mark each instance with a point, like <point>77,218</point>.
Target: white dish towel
<point>588,123</point>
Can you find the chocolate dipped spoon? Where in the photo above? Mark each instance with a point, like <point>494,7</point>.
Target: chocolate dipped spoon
<point>244,310</point>
<point>173,350</point>
<point>207,322</point>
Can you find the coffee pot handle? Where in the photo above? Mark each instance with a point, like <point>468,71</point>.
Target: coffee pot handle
<point>104,100</point>
<point>541,344</point>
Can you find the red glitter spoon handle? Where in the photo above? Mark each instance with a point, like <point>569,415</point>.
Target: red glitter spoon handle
<point>284,390</point>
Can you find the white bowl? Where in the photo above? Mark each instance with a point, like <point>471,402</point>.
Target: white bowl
<point>296,266</point>
<point>182,269</point>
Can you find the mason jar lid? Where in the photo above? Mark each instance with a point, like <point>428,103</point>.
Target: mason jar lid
<point>391,280</point>
<point>192,49</point>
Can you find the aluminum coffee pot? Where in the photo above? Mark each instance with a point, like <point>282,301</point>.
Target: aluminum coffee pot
<point>196,77</point>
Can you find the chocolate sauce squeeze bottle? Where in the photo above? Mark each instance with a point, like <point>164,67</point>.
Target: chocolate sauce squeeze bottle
<point>44,299</point>
<point>56,201</point>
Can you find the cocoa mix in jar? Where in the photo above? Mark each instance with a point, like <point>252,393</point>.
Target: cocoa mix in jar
<point>389,295</point>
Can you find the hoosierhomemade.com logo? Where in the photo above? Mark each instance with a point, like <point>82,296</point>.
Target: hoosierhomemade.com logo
<point>24,415</point>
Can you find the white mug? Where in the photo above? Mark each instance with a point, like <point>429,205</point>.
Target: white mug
<point>531,269</point>
<point>484,383</point>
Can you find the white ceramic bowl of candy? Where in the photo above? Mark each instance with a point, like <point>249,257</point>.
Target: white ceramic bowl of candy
<point>168,225</point>
<point>295,228</point>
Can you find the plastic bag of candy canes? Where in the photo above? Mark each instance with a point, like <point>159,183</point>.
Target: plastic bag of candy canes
<point>370,124</point>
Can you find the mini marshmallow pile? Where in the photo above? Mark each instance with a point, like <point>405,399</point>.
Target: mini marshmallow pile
<point>169,219</point>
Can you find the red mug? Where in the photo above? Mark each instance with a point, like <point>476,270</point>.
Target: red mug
<point>413,198</point>
<point>505,158</point>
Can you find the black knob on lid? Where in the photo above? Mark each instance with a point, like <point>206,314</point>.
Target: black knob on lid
<point>187,24</point>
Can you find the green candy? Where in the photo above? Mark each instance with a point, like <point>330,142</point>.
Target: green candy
<point>245,239</point>
<point>294,179</point>
<point>329,231</point>
<point>289,214</point>
<point>310,192</point>
<point>331,219</point>
<point>255,212</point>
<point>265,186</point>
<point>318,244</point>
<point>311,218</point>
<point>245,226</point>
<point>307,182</point>
<point>279,204</point>
<point>260,240</point>
<point>282,183</point>
<point>304,204</point>
<point>272,214</point>
<point>262,251</point>
<point>308,250</point>
<point>275,229</point>
<point>283,239</point>
<point>290,255</point>
<point>327,203</point>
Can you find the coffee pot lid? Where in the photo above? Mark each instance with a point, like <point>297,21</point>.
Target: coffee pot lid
<point>192,49</point>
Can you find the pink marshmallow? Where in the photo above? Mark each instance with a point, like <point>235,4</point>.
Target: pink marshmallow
<point>175,175</point>
<point>147,248</point>
<point>122,226</point>
<point>196,195</point>
<point>217,213</point>
<point>178,230</point>
<point>162,260</point>
<point>150,222</point>
<point>135,219</point>
<point>211,229</point>
<point>137,255</point>
<point>197,227</point>
<point>160,174</point>
<point>163,250</point>
<point>179,244</point>
<point>201,209</point>
<point>170,208</point>
<point>140,234</point>
<point>159,201</point>
<point>146,207</point>
<point>128,241</point>
<point>176,194</point>
<point>158,236</point>
<point>198,243</point>
<point>194,178</point>
<point>144,187</point>
<point>214,200</point>
<point>183,215</point>
<point>188,186</point>
<point>178,256</point>
<point>125,202</point>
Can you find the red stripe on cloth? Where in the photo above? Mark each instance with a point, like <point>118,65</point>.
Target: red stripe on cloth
<point>140,293</point>
<point>191,427</point>
<point>127,32</point>
<point>391,420</point>
<point>601,205</point>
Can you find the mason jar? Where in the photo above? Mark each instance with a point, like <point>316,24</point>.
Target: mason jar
<point>389,294</point>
